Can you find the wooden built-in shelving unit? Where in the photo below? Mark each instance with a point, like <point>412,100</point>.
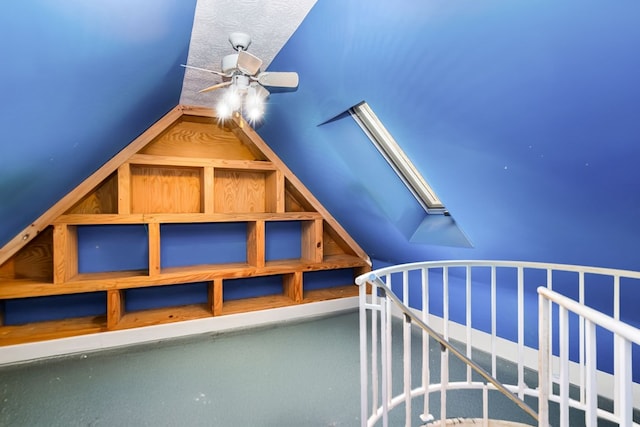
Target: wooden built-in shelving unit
<point>186,170</point>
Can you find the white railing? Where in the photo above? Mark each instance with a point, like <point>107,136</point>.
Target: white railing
<point>588,319</point>
<point>570,377</point>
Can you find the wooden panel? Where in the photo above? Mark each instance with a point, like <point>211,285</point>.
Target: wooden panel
<point>34,261</point>
<point>256,243</point>
<point>124,189</point>
<point>294,202</point>
<point>199,138</point>
<point>154,249</point>
<point>333,244</point>
<point>292,286</point>
<point>102,200</point>
<point>239,191</point>
<point>311,245</point>
<point>8,270</point>
<point>115,307</point>
<point>65,253</point>
<point>165,190</point>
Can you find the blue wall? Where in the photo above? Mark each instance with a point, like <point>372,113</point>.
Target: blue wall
<point>521,115</point>
<point>79,81</point>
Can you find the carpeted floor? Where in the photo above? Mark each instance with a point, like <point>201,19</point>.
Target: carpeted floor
<point>294,374</point>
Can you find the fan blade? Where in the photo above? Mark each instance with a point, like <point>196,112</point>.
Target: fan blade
<point>204,69</point>
<point>248,64</point>
<point>214,87</point>
<point>278,79</point>
<point>260,92</point>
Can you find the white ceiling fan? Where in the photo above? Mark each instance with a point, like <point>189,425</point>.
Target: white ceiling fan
<point>243,79</point>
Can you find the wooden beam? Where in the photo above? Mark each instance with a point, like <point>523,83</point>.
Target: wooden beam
<point>124,189</point>
<point>64,204</point>
<point>154,248</point>
<point>256,243</point>
<point>292,286</point>
<point>65,253</point>
<point>311,242</point>
<point>207,190</point>
<point>115,307</point>
<point>215,297</point>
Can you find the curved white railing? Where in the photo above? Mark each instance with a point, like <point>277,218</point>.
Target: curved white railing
<point>446,289</point>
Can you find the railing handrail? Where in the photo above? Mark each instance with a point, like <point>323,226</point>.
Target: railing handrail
<point>503,263</point>
<point>372,277</point>
<point>618,327</point>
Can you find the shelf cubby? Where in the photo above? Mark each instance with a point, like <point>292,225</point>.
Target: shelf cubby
<point>107,248</point>
<point>196,244</point>
<point>246,191</point>
<point>282,240</point>
<point>45,317</point>
<point>158,304</point>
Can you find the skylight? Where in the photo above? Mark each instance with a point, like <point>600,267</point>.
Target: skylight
<point>397,159</point>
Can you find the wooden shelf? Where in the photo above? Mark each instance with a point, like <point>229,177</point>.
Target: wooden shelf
<point>40,331</point>
<point>148,159</point>
<point>158,316</point>
<point>171,198</point>
<point>93,282</point>
<point>326,294</point>
<point>255,304</point>
<point>106,219</point>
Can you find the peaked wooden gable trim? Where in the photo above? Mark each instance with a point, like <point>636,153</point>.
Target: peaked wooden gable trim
<point>183,170</point>
<point>241,129</point>
<point>65,203</point>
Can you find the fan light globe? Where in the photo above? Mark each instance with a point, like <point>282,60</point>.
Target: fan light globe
<point>233,99</point>
<point>223,110</point>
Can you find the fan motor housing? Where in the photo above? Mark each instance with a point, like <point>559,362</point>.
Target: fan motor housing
<point>240,41</point>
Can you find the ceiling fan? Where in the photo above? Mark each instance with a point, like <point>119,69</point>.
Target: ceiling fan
<point>244,81</point>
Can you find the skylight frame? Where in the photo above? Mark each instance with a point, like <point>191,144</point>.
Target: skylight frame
<point>397,159</point>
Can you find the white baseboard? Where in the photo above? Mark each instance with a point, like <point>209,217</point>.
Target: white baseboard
<point>107,340</point>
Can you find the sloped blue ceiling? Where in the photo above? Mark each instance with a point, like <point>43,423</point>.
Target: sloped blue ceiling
<point>80,80</point>
<point>523,116</point>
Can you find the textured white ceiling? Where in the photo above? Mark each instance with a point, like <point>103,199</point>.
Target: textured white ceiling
<point>270,23</point>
